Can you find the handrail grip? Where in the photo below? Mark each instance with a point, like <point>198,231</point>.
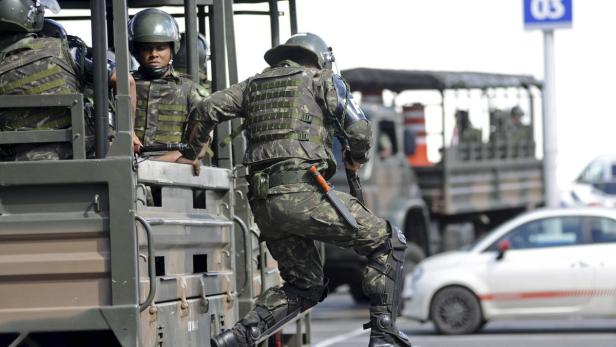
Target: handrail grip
<point>151,264</point>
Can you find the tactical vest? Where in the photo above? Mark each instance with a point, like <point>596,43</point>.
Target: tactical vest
<point>34,66</point>
<point>283,119</point>
<point>162,108</point>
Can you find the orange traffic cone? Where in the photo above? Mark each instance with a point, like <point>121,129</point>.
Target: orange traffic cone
<point>415,118</point>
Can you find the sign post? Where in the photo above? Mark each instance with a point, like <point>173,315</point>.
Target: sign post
<point>548,15</point>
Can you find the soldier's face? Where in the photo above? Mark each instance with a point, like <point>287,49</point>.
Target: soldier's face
<point>154,55</point>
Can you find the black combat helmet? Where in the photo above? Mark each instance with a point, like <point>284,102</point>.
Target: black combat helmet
<point>306,44</point>
<point>153,26</point>
<point>25,15</point>
<point>203,50</point>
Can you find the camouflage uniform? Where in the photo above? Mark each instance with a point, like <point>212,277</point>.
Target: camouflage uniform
<point>31,65</point>
<point>289,113</point>
<point>180,60</point>
<point>466,133</point>
<point>163,105</point>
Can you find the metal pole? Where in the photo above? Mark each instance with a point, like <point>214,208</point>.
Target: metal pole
<point>443,120</point>
<point>201,18</point>
<point>101,102</point>
<point>190,29</point>
<point>217,44</point>
<point>549,122</point>
<point>275,25</point>
<point>293,16</point>
<point>123,105</point>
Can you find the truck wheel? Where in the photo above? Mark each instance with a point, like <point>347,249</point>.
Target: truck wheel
<point>455,310</point>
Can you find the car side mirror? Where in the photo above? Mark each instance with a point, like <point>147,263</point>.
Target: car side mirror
<point>503,246</point>
<point>410,142</point>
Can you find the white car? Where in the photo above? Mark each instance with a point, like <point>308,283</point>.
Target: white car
<point>544,263</point>
<point>595,186</point>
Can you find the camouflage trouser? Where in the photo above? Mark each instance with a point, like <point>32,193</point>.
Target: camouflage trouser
<point>291,223</point>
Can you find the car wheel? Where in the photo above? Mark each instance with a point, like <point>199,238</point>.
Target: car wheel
<point>455,310</point>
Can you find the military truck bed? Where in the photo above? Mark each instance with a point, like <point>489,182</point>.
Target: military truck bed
<point>477,186</point>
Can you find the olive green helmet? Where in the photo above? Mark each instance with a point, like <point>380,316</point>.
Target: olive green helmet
<point>153,26</point>
<point>203,51</point>
<point>516,111</point>
<point>304,44</point>
<point>25,15</point>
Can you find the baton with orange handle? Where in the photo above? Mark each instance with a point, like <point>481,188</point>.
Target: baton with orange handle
<point>333,199</point>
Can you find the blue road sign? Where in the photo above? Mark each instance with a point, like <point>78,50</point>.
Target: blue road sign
<point>548,14</point>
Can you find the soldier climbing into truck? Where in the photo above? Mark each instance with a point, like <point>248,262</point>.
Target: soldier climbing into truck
<point>291,110</point>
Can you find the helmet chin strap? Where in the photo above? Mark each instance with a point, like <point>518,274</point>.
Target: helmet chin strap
<point>155,72</point>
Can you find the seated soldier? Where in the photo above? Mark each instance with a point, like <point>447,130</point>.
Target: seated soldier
<point>83,55</point>
<point>49,67</point>
<point>518,133</point>
<point>464,131</point>
<point>165,98</point>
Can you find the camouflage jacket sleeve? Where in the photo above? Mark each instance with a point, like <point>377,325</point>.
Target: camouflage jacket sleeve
<point>218,107</point>
<point>358,133</point>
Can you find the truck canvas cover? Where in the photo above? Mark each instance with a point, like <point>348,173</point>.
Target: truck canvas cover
<point>368,79</point>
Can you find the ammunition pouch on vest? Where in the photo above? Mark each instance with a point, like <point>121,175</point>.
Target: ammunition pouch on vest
<point>162,109</point>
<point>283,118</point>
<point>34,66</point>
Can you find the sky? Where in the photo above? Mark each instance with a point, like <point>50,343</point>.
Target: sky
<point>471,35</point>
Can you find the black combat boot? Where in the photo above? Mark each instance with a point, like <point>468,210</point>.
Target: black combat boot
<point>384,332</point>
<point>243,334</point>
<point>261,322</point>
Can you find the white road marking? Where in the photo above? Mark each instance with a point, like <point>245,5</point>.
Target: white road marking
<point>333,340</point>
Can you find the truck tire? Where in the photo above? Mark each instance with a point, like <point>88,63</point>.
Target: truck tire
<point>456,310</point>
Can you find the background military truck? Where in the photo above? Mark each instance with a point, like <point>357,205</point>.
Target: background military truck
<point>442,180</point>
<point>123,251</point>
